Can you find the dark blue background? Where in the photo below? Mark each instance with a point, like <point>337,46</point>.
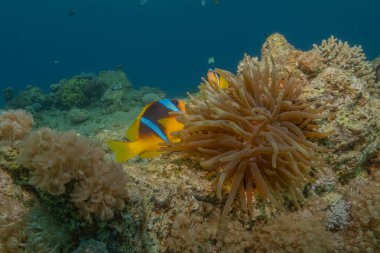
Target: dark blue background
<point>164,43</point>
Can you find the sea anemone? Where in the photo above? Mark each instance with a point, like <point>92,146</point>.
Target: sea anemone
<point>253,134</point>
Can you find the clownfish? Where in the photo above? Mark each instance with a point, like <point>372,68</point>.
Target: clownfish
<point>216,80</point>
<point>152,126</point>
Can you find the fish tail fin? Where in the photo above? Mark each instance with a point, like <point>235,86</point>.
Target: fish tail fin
<point>124,150</point>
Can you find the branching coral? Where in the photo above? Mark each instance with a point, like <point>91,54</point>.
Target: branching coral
<point>67,163</point>
<point>338,53</point>
<point>15,125</point>
<point>254,134</point>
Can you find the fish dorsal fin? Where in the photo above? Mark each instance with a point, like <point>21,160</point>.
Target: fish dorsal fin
<point>133,131</point>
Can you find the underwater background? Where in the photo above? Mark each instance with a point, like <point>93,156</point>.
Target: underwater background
<point>165,44</point>
<point>189,126</point>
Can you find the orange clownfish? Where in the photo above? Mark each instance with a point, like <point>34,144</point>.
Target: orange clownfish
<point>216,80</point>
<point>152,126</point>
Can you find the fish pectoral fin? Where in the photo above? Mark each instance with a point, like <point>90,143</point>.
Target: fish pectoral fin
<point>150,154</point>
<point>122,150</point>
<point>170,125</point>
<point>165,122</point>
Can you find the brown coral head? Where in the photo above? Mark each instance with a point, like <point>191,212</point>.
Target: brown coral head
<point>253,134</point>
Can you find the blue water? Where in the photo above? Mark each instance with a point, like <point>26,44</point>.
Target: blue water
<point>164,43</point>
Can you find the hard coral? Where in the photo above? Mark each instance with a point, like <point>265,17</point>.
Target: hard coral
<point>80,90</point>
<point>338,53</point>
<point>15,125</point>
<point>254,134</point>
<point>61,163</point>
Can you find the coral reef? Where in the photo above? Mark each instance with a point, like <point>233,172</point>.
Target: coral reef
<point>78,116</point>
<point>8,94</point>
<point>32,99</point>
<point>356,121</point>
<point>363,229</point>
<point>118,88</point>
<point>79,91</point>
<point>11,214</point>
<point>14,204</point>
<point>339,54</point>
<point>253,134</point>
<point>58,160</point>
<point>338,216</point>
<point>311,63</point>
<point>171,205</point>
<point>297,232</point>
<point>92,246</point>
<point>376,67</point>
<point>15,125</point>
<point>45,234</point>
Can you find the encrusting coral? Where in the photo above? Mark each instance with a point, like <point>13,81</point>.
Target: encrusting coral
<point>254,134</point>
<point>61,163</point>
<point>15,125</point>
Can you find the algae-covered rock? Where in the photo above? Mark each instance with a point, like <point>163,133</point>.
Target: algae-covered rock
<point>8,94</point>
<point>118,88</point>
<point>32,99</point>
<point>79,91</point>
<point>77,116</point>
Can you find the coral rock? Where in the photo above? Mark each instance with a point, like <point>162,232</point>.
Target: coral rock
<point>77,116</point>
